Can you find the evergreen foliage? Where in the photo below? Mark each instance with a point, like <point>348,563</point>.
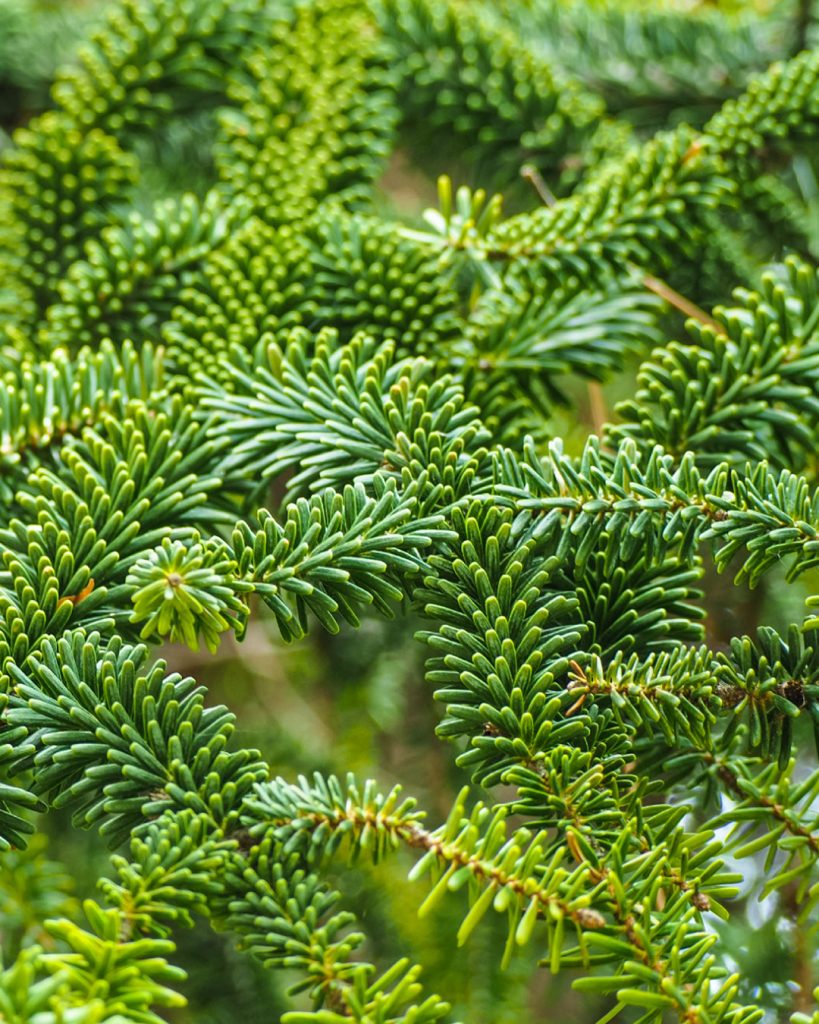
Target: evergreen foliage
<point>281,399</point>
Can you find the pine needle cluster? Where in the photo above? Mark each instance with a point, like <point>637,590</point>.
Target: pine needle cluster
<point>237,383</point>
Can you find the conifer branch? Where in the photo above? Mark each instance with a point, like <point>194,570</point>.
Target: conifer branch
<point>168,372</point>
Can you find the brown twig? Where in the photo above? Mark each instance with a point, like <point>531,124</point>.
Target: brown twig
<point>597,406</point>
<point>531,174</point>
<point>680,302</point>
<point>802,953</point>
<point>731,781</point>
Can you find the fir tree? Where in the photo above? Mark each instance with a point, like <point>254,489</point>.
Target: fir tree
<point>269,396</point>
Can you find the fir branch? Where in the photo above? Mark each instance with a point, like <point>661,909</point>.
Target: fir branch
<point>560,591</point>
<point>317,818</point>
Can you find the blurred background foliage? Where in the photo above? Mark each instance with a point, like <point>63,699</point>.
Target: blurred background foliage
<point>357,701</point>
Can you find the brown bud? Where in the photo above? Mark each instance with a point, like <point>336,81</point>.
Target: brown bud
<point>76,598</point>
<point>590,919</point>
